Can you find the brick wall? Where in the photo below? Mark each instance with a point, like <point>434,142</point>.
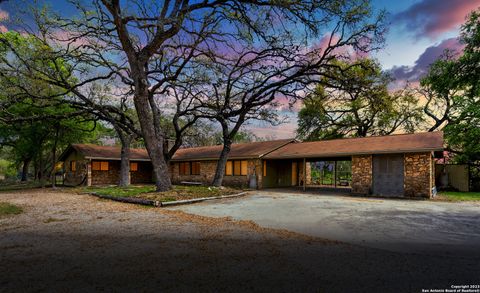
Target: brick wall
<point>418,176</point>
<point>362,174</point>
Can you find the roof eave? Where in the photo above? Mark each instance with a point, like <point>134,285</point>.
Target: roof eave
<point>329,155</point>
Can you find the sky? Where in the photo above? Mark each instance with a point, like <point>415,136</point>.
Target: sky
<point>419,32</point>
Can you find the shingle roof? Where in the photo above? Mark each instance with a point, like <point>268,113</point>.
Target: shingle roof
<point>91,151</point>
<point>238,150</point>
<point>401,143</point>
<point>283,149</point>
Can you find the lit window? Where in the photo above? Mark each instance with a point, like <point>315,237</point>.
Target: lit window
<point>264,168</point>
<point>73,166</point>
<point>195,168</point>
<point>237,168</point>
<point>244,168</point>
<point>103,166</point>
<point>133,167</point>
<point>95,166</point>
<point>229,168</point>
<point>184,168</point>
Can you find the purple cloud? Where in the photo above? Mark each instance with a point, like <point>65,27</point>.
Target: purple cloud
<point>432,53</point>
<point>432,17</point>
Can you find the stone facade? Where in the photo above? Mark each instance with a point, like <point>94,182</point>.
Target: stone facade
<point>144,174</point>
<point>112,176</point>
<point>207,173</point>
<point>362,174</point>
<point>418,175</point>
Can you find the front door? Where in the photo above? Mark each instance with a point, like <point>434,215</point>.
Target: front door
<point>294,173</point>
<point>388,175</point>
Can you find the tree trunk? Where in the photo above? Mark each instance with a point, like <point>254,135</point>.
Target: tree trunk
<point>124,159</point>
<point>154,140</point>
<point>53,176</point>
<point>221,164</point>
<point>26,164</point>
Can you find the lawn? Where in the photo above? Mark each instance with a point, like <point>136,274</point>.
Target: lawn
<point>459,196</point>
<point>7,209</point>
<point>11,186</point>
<point>177,192</point>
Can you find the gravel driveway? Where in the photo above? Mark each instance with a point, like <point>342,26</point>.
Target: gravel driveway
<point>68,242</point>
<point>426,227</point>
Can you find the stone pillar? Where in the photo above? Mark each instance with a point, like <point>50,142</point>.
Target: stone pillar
<point>89,173</point>
<point>362,174</point>
<point>417,176</point>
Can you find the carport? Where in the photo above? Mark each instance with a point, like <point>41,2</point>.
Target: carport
<point>388,166</point>
<point>318,173</point>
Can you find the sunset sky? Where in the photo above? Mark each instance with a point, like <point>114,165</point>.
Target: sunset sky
<point>419,31</point>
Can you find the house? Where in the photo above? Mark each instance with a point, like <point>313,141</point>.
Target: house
<point>394,165</point>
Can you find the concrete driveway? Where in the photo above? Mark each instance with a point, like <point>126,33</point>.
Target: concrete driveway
<point>427,227</point>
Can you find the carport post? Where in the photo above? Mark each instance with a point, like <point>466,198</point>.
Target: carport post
<point>304,174</point>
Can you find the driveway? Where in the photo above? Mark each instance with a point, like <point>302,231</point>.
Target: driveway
<point>427,227</point>
<point>66,242</point>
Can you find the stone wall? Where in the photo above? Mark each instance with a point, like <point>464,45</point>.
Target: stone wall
<point>418,176</point>
<point>110,177</point>
<point>144,174</point>
<point>362,174</point>
<point>207,172</point>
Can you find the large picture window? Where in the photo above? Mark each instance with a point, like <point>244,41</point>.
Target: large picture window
<point>236,168</point>
<point>100,166</point>
<point>189,168</point>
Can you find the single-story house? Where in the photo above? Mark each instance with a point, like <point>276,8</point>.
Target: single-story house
<point>393,165</point>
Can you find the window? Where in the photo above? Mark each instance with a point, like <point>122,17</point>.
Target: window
<point>264,168</point>
<point>73,166</point>
<point>236,168</point>
<point>195,168</point>
<point>189,168</point>
<point>244,168</point>
<point>133,167</point>
<point>103,166</point>
<point>229,168</point>
<point>95,166</point>
<point>99,166</point>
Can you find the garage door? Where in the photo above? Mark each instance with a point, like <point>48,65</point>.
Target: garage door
<point>388,175</point>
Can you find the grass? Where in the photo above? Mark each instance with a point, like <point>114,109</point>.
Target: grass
<point>11,186</point>
<point>7,209</point>
<point>177,192</point>
<point>459,196</point>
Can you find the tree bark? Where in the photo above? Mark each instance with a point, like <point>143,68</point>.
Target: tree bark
<point>222,162</point>
<point>26,164</point>
<point>53,176</point>
<point>153,137</point>
<point>125,139</point>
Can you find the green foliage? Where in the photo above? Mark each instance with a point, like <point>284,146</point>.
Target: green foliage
<point>7,209</point>
<point>459,196</point>
<point>357,103</point>
<point>32,126</point>
<point>453,85</point>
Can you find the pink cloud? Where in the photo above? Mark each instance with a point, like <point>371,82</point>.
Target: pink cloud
<point>414,73</point>
<point>4,15</point>
<point>432,17</point>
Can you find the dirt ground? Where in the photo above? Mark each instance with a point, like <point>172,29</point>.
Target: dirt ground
<point>69,242</point>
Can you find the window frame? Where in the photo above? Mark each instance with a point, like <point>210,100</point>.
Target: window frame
<point>187,168</point>
<point>241,164</point>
